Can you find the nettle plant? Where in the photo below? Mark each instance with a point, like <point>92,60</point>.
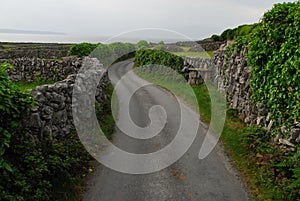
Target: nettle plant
<point>274,56</point>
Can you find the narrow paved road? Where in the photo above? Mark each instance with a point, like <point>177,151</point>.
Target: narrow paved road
<point>210,179</point>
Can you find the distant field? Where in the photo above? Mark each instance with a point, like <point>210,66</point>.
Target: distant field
<point>208,54</point>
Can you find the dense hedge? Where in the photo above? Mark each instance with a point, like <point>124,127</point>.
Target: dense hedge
<point>159,57</point>
<point>274,57</point>
<point>29,169</point>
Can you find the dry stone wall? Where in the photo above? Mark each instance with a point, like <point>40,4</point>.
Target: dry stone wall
<point>51,118</point>
<point>36,69</point>
<point>234,76</point>
<point>198,69</point>
<point>43,51</point>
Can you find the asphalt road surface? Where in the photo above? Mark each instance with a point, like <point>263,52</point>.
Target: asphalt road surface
<point>189,178</point>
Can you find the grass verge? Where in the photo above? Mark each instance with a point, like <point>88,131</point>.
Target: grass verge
<point>104,115</point>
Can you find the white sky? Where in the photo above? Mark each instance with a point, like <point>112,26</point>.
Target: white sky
<point>194,18</point>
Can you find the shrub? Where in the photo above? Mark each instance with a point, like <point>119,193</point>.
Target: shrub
<point>215,37</point>
<point>81,49</point>
<point>159,57</point>
<point>107,54</point>
<point>142,44</point>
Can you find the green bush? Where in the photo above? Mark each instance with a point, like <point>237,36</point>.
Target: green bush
<point>274,56</point>
<point>142,44</point>
<point>159,57</point>
<point>82,49</point>
<point>215,37</point>
<point>230,34</point>
<point>107,54</point>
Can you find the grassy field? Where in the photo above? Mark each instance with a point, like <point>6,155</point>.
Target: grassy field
<point>208,54</point>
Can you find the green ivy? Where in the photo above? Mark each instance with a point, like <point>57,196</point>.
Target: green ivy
<point>274,57</point>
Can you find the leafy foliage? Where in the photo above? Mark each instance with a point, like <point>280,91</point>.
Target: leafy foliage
<point>37,170</point>
<point>82,49</point>
<point>159,57</point>
<point>142,44</point>
<point>274,55</point>
<point>279,172</point>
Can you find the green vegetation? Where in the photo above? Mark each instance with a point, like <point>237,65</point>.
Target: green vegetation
<point>102,50</point>
<point>107,54</point>
<point>230,34</point>
<point>159,57</point>
<point>142,44</point>
<point>262,163</point>
<point>82,49</point>
<point>161,43</point>
<point>270,172</point>
<point>104,114</point>
<point>38,170</point>
<point>274,57</point>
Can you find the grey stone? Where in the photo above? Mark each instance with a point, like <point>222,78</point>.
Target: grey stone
<point>270,126</point>
<point>35,121</point>
<point>47,112</point>
<point>295,133</point>
<point>286,142</point>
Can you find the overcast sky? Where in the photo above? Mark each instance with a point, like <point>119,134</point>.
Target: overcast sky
<point>195,18</point>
